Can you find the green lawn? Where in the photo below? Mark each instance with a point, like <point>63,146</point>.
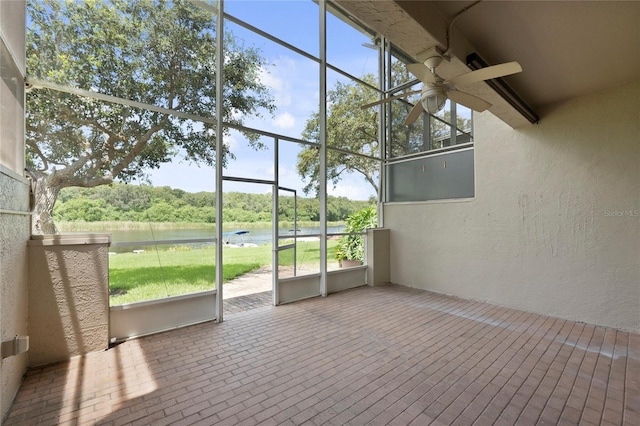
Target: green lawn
<point>156,274</point>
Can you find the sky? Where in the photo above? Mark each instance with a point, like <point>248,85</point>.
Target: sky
<point>293,82</point>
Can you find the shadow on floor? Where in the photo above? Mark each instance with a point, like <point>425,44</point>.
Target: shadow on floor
<point>247,302</point>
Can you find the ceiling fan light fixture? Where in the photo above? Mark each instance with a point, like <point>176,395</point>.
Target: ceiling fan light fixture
<point>433,99</point>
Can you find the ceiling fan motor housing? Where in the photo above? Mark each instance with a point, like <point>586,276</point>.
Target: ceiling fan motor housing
<point>433,98</point>
<point>433,62</point>
<point>431,58</point>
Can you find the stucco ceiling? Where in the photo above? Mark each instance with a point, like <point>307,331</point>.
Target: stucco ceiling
<point>566,48</point>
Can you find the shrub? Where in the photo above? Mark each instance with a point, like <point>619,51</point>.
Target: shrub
<point>351,247</point>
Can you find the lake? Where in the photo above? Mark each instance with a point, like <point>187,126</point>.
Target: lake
<point>256,236</point>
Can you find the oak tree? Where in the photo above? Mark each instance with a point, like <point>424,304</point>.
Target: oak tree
<point>158,52</point>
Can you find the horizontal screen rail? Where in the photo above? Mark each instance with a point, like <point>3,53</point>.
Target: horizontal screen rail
<point>298,236</point>
<point>330,234</point>
<point>161,242</point>
<point>15,212</point>
<point>342,234</point>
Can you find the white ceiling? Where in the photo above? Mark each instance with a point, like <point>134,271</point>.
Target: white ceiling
<point>566,48</point>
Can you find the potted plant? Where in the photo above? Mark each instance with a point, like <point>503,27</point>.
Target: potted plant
<point>350,250</point>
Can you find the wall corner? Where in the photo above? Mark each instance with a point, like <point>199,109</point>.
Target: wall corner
<point>378,256</point>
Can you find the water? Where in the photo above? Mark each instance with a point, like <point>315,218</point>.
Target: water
<point>256,236</point>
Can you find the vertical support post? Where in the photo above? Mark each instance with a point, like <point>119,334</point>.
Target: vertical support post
<point>384,78</point>
<point>427,143</point>
<point>275,241</point>
<point>426,130</point>
<point>323,147</point>
<point>219,146</point>
<point>454,123</point>
<point>295,233</point>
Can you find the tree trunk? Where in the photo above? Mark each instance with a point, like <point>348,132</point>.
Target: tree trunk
<point>45,193</point>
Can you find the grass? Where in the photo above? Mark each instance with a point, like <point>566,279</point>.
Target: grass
<point>156,274</point>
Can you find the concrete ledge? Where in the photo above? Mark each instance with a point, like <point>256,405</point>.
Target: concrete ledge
<point>69,239</point>
<point>13,175</point>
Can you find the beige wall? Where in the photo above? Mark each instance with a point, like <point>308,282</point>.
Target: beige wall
<point>14,197</point>
<point>554,227</point>
<point>68,296</point>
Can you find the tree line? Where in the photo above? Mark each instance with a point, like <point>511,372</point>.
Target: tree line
<point>144,203</point>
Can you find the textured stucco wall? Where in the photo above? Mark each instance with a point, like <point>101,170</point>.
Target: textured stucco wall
<point>14,233</point>
<point>554,227</point>
<point>68,297</point>
<point>14,197</point>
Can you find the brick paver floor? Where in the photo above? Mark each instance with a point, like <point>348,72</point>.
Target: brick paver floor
<point>253,290</point>
<point>382,355</point>
<point>247,302</point>
<point>248,291</point>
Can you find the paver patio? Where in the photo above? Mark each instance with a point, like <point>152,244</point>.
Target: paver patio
<point>381,355</point>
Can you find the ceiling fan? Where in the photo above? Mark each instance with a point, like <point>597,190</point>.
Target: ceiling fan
<point>435,91</point>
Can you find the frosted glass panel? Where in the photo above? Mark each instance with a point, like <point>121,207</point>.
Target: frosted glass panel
<point>438,177</point>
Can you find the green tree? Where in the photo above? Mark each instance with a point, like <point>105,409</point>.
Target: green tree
<point>162,212</point>
<point>83,209</point>
<point>404,139</point>
<point>123,197</point>
<point>349,127</point>
<point>158,52</point>
<point>426,133</point>
<point>189,214</point>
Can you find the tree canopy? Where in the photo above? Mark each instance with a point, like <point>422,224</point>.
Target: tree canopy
<point>350,128</point>
<point>157,52</point>
<point>354,129</point>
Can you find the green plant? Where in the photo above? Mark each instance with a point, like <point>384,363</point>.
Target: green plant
<point>351,247</point>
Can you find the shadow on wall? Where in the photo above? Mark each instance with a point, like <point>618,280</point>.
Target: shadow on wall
<point>68,296</point>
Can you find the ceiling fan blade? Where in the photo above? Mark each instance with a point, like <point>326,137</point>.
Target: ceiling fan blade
<point>488,73</point>
<point>414,114</point>
<point>421,72</point>
<point>390,98</point>
<point>468,100</point>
